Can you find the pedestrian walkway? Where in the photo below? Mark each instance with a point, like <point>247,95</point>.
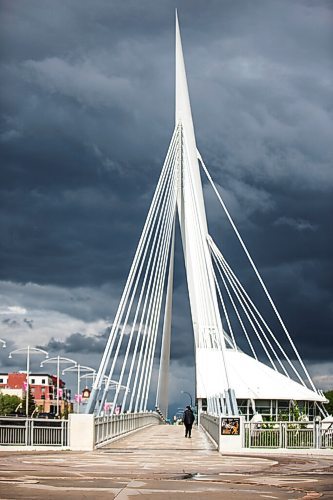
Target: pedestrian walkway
<point>159,463</point>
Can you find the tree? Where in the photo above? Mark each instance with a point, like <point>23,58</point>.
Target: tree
<point>329,406</point>
<point>31,403</point>
<point>8,404</point>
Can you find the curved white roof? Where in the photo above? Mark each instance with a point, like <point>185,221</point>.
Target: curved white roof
<point>250,378</point>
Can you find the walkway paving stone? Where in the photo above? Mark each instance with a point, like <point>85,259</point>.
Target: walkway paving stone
<point>160,463</point>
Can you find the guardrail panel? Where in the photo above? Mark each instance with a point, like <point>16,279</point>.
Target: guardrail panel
<point>33,432</point>
<point>107,428</point>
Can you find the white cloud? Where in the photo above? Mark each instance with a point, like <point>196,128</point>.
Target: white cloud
<point>52,312</point>
<point>80,80</point>
<point>9,310</point>
<point>241,199</point>
<point>298,224</point>
<point>10,135</point>
<point>322,375</point>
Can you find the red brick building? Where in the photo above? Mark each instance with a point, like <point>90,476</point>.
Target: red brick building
<point>43,388</point>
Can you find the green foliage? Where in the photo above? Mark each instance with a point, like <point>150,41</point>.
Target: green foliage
<point>283,416</point>
<point>329,406</point>
<point>268,422</point>
<point>8,404</point>
<point>31,403</point>
<point>298,415</point>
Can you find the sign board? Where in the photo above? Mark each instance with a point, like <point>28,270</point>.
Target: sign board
<point>117,410</point>
<point>230,426</point>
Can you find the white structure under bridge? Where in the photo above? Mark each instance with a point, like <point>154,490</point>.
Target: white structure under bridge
<point>243,365</point>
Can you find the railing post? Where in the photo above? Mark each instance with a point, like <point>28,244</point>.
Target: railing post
<point>317,433</point>
<point>62,433</point>
<point>280,435</point>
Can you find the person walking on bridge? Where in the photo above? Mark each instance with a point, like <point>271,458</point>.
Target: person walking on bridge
<point>188,419</point>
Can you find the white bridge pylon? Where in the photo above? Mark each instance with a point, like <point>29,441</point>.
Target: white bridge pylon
<point>224,373</point>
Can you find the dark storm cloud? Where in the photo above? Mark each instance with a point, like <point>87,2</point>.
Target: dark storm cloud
<point>78,343</point>
<point>86,116</point>
<point>12,323</point>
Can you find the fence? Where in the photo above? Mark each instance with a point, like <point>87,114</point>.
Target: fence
<point>33,432</point>
<point>211,425</point>
<point>290,435</point>
<point>109,427</point>
<point>85,432</point>
<point>269,435</point>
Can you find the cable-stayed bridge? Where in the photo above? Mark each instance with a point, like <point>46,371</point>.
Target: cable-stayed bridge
<point>230,379</point>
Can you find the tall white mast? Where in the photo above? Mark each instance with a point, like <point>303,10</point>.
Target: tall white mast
<point>207,325</point>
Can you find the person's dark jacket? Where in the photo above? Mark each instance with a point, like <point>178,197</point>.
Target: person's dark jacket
<point>188,417</point>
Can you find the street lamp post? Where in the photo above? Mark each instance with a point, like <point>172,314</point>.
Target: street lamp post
<point>78,368</point>
<point>185,392</point>
<point>28,350</point>
<point>3,343</point>
<point>58,360</point>
<point>112,384</point>
<point>89,375</point>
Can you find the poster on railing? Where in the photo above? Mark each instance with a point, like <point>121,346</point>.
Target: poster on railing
<point>117,410</point>
<point>230,426</point>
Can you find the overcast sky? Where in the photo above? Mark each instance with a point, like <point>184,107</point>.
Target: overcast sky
<point>87,112</point>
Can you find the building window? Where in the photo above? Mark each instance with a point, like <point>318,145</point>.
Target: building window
<point>1,380</point>
<point>32,381</point>
<point>43,380</point>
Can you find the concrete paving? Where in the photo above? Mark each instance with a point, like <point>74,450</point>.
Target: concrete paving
<point>160,463</point>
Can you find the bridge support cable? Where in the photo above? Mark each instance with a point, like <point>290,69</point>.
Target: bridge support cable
<point>209,315</point>
<point>145,375</point>
<point>146,236</point>
<point>220,270</point>
<point>245,303</point>
<point>148,301</point>
<point>256,272</point>
<point>162,393</point>
<point>136,346</point>
<point>147,324</point>
<point>225,311</point>
<point>244,298</point>
<point>162,274</point>
<point>147,226</point>
<point>220,262</point>
<point>211,329</point>
<point>211,334</point>
<point>148,247</point>
<point>152,270</point>
<point>235,308</point>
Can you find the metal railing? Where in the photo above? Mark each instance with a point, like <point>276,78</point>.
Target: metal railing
<point>109,427</point>
<point>291,435</point>
<point>326,437</point>
<point>211,425</point>
<point>33,432</point>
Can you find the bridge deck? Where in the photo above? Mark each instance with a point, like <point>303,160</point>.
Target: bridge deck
<point>158,463</point>
<point>163,450</point>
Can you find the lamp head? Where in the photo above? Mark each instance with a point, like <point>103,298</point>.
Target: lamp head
<point>10,355</point>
